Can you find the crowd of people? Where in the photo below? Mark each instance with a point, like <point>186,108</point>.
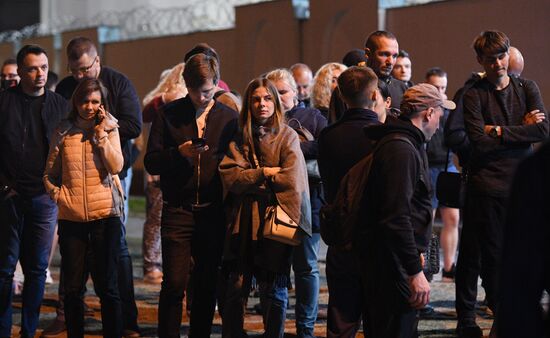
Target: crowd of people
<point>240,191</point>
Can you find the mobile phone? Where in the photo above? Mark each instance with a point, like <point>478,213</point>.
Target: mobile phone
<point>198,141</point>
<point>98,119</point>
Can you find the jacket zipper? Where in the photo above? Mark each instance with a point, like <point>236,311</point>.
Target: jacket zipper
<point>84,195</point>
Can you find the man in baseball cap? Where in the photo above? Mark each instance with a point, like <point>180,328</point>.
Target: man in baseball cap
<point>397,221</point>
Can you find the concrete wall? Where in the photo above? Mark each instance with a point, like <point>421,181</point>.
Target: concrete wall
<point>266,36</point>
<point>441,34</point>
<point>46,42</point>
<point>6,51</point>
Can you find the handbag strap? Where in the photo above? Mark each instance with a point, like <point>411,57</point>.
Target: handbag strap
<point>447,159</point>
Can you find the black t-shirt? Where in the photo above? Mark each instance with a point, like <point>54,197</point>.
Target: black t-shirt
<point>34,148</point>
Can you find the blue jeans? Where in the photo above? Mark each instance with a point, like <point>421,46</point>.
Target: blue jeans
<point>125,271</point>
<point>274,299</point>
<point>306,274</point>
<point>26,232</point>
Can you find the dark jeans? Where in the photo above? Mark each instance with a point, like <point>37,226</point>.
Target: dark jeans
<point>479,253</point>
<point>102,239</point>
<point>346,302</point>
<point>273,300</point>
<point>26,232</point>
<point>125,286</point>
<point>185,233</point>
<point>392,325</point>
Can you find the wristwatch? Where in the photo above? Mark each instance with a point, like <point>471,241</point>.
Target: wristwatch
<point>495,131</point>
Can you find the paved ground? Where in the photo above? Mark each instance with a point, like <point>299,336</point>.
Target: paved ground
<point>441,324</point>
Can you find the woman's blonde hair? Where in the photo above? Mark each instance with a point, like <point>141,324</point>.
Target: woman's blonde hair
<point>282,74</point>
<point>246,119</point>
<point>321,91</point>
<point>172,80</point>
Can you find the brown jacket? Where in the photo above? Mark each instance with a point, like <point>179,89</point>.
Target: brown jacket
<point>81,172</point>
<point>241,177</point>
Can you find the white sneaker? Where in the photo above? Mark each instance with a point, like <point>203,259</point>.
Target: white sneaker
<point>49,279</point>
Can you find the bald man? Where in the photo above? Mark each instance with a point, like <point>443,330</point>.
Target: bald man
<point>515,66</point>
<point>304,78</point>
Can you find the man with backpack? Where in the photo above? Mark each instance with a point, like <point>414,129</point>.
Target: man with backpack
<point>503,116</point>
<point>341,146</point>
<point>396,219</point>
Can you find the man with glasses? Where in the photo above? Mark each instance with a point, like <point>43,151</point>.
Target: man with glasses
<point>84,62</point>
<point>29,113</point>
<point>8,74</point>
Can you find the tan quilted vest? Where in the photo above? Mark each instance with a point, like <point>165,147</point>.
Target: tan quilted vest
<point>88,191</point>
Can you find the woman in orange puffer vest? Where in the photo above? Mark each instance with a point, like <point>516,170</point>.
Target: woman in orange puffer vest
<point>81,176</point>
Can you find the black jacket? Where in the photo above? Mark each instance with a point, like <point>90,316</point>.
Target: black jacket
<point>493,160</point>
<point>398,218</point>
<point>123,104</point>
<point>525,269</point>
<point>176,124</point>
<point>313,121</point>
<point>396,88</point>
<point>12,106</point>
<point>438,155</point>
<point>343,144</point>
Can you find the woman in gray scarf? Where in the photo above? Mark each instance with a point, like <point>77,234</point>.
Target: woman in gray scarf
<point>264,165</point>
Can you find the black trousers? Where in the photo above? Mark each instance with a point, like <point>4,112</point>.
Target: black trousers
<point>480,252</point>
<point>346,302</point>
<point>186,234</point>
<point>102,238</point>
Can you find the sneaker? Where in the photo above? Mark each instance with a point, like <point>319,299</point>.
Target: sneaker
<point>49,279</point>
<point>56,328</point>
<point>153,277</point>
<point>448,276</point>
<point>426,311</point>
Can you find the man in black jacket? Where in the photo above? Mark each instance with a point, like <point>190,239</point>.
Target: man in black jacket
<point>397,218</point>
<point>382,50</point>
<point>84,62</point>
<point>342,145</point>
<point>503,117</point>
<point>28,115</point>
<point>189,137</point>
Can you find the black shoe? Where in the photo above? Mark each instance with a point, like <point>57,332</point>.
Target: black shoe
<point>470,331</point>
<point>426,311</point>
<point>448,276</point>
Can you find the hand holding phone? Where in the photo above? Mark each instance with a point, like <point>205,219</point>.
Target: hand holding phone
<point>198,142</point>
<point>100,115</point>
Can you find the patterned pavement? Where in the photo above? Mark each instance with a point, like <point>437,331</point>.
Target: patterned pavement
<point>440,324</point>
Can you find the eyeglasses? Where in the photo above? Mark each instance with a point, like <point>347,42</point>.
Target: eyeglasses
<point>83,70</point>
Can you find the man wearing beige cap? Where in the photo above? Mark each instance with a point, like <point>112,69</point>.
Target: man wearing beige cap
<point>397,216</point>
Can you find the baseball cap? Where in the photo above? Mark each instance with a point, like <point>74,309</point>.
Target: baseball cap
<point>421,97</point>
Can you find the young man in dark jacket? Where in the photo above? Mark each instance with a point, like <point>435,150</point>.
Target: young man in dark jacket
<point>502,119</point>
<point>397,218</point>
<point>28,115</point>
<point>189,137</point>
<point>341,146</point>
<point>84,62</point>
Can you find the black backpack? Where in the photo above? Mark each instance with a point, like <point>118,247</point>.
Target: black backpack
<point>339,218</point>
<point>455,135</point>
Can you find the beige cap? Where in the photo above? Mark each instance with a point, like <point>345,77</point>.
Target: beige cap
<point>421,97</point>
